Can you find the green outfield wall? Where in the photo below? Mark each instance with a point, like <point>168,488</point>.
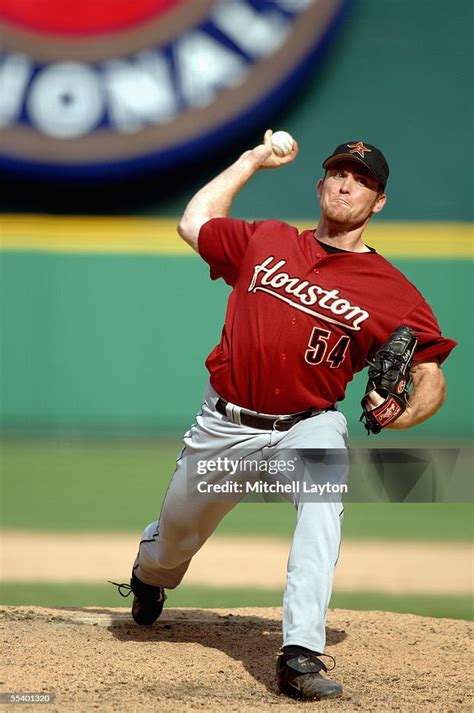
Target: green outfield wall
<point>116,343</point>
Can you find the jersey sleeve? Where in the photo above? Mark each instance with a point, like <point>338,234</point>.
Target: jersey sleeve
<point>432,346</point>
<point>222,244</point>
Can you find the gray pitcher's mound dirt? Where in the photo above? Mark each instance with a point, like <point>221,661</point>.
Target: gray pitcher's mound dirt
<point>223,660</point>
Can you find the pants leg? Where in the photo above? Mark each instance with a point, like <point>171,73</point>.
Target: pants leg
<point>311,565</point>
<point>316,540</point>
<point>187,517</point>
<point>168,544</point>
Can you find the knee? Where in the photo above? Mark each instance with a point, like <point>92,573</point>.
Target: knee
<point>162,557</point>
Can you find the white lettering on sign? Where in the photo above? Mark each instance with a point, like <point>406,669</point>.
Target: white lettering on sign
<point>15,72</point>
<point>258,33</point>
<point>139,92</point>
<point>205,66</point>
<point>65,100</point>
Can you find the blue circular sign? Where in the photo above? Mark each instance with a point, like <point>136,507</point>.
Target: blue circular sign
<point>168,87</point>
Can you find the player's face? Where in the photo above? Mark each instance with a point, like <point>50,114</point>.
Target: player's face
<point>349,194</point>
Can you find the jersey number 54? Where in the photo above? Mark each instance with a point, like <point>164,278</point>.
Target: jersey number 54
<point>318,346</point>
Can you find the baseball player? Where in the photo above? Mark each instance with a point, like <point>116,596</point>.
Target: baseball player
<point>305,313</point>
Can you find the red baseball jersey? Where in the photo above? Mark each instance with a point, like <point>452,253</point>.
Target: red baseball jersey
<point>302,319</point>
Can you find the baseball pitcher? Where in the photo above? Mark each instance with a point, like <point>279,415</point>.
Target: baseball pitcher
<point>306,312</point>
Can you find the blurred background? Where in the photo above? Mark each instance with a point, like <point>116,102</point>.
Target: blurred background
<point>111,118</point>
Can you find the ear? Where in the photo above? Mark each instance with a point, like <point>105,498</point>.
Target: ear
<point>379,203</point>
<point>319,186</point>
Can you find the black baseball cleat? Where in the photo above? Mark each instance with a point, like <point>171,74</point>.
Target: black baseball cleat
<point>298,675</point>
<point>147,603</point>
<point>148,600</point>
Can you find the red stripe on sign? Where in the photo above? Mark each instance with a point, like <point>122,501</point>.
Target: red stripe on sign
<point>83,17</point>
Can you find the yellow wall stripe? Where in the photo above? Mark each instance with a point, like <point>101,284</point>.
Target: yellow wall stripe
<point>139,235</point>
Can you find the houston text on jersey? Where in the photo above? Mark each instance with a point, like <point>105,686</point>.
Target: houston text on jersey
<point>269,278</point>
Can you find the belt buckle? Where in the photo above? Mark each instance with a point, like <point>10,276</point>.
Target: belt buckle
<point>277,421</point>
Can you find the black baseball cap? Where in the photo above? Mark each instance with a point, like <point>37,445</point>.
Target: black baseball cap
<point>364,153</point>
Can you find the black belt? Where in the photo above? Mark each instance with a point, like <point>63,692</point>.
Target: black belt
<point>268,423</point>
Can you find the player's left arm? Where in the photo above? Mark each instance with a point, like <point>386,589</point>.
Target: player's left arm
<point>427,396</point>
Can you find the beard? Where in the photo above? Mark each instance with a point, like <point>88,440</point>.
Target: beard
<point>341,215</point>
<point>338,213</point>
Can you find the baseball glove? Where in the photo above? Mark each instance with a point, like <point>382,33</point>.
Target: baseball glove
<point>389,376</point>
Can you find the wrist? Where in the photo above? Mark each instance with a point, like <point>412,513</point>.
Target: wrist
<point>250,162</point>
<point>405,420</point>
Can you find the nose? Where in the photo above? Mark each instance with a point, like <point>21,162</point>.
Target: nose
<point>345,184</point>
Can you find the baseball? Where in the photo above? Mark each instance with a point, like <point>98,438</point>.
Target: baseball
<point>282,143</point>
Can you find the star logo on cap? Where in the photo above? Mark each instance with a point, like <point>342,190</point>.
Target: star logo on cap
<point>358,148</point>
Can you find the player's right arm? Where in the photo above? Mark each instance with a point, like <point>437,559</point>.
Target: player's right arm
<point>215,199</point>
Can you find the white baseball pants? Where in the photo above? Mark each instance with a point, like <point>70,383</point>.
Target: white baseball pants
<point>187,519</point>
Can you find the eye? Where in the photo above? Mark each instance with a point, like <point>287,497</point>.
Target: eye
<point>362,180</point>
